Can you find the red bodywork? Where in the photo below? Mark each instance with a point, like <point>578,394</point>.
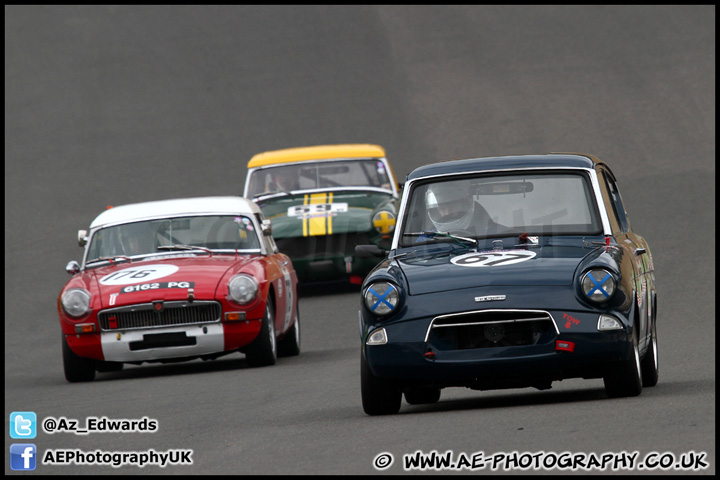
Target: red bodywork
<point>126,284</point>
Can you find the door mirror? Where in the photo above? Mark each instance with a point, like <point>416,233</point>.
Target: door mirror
<point>369,251</point>
<point>72,267</point>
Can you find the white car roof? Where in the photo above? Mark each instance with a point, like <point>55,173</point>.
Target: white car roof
<point>227,205</point>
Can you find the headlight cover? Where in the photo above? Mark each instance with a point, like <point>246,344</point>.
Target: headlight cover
<point>384,222</point>
<point>76,302</point>
<point>242,289</point>
<point>598,285</point>
<point>381,298</point>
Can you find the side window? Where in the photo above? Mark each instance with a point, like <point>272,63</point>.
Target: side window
<point>617,203</point>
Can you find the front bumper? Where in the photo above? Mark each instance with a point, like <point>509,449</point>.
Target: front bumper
<point>570,350</point>
<point>158,344</point>
<point>162,343</point>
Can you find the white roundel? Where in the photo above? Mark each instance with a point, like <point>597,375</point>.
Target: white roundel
<point>140,273</point>
<point>493,259</point>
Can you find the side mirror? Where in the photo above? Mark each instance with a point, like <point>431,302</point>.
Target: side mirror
<point>82,237</point>
<point>266,227</point>
<point>369,251</point>
<point>72,267</point>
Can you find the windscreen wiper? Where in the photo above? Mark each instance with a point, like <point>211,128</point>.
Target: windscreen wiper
<point>109,259</point>
<point>441,234</point>
<point>278,193</point>
<point>184,247</point>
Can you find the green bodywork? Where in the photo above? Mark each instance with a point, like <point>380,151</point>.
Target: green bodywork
<point>320,235</point>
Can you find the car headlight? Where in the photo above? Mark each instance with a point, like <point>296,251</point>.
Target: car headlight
<point>242,289</point>
<point>76,302</point>
<point>381,298</point>
<point>598,285</point>
<point>384,222</point>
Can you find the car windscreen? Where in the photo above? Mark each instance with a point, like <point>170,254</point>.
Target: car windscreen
<point>553,203</point>
<point>215,232</point>
<point>319,175</point>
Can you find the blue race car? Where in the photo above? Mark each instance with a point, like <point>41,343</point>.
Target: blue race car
<point>508,272</point>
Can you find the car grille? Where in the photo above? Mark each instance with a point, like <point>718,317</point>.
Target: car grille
<point>172,313</point>
<point>491,328</point>
<point>321,246</point>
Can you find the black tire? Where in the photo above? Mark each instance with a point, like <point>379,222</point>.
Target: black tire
<point>77,369</point>
<point>289,346</point>
<point>420,396</point>
<point>379,396</point>
<point>649,364</point>
<point>625,380</point>
<point>263,350</point>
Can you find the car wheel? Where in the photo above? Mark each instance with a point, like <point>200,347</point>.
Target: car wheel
<point>419,396</point>
<point>77,369</point>
<point>379,396</point>
<point>625,381</point>
<point>649,364</point>
<point>289,346</point>
<point>263,350</point>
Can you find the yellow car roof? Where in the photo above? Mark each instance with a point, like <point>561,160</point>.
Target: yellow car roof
<point>319,152</point>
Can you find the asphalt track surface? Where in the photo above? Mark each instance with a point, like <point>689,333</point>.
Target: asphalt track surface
<point>106,105</point>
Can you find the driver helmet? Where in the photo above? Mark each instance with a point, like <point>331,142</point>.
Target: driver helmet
<point>449,206</point>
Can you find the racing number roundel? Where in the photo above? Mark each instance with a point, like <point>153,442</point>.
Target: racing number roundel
<point>493,259</point>
<point>144,273</point>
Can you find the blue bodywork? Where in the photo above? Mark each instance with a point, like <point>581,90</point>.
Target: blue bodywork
<point>523,324</point>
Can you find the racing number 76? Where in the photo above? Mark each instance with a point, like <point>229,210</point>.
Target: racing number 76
<point>129,273</point>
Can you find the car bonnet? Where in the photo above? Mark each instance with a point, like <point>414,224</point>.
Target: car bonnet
<point>163,279</point>
<point>429,272</point>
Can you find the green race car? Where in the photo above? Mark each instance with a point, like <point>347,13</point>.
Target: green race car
<point>322,202</point>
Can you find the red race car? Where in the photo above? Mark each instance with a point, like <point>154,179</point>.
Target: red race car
<point>176,280</point>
